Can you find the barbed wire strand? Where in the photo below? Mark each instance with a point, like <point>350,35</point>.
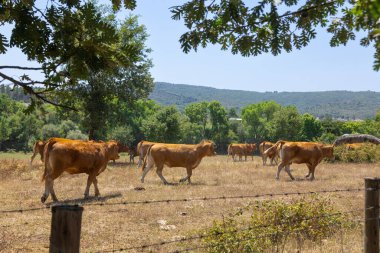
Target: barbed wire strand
<point>20,210</point>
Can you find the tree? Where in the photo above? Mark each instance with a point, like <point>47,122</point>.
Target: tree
<point>198,114</point>
<point>377,116</point>
<point>102,93</point>
<point>311,128</point>
<point>274,26</point>
<point>219,123</point>
<point>68,40</point>
<point>286,124</point>
<point>163,126</point>
<point>256,118</point>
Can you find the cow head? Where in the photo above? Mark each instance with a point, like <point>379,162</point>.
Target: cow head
<point>328,151</point>
<point>122,147</point>
<point>209,147</point>
<point>112,150</point>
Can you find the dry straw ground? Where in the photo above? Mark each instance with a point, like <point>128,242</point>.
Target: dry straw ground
<point>112,227</point>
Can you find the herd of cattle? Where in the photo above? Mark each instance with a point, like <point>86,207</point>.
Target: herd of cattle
<point>92,157</point>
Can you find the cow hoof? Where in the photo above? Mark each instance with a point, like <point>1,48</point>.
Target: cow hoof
<point>142,180</point>
<point>43,199</point>
<point>86,196</point>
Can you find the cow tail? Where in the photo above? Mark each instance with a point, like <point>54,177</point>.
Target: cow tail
<point>146,157</point>
<point>47,149</point>
<point>229,151</point>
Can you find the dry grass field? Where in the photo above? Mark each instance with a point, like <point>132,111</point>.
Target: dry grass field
<point>111,227</point>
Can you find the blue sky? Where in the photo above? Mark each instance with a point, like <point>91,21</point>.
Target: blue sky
<point>318,67</point>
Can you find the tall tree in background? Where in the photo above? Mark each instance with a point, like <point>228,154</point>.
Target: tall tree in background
<point>311,128</point>
<point>103,92</point>
<point>67,39</point>
<point>256,118</point>
<point>163,126</point>
<point>219,123</point>
<point>286,124</point>
<point>198,113</point>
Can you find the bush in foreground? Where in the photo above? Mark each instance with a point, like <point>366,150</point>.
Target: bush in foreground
<point>272,223</point>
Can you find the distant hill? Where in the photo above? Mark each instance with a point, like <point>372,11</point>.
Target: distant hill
<point>337,104</point>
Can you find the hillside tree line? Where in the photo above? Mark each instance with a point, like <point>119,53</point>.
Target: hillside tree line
<point>144,119</point>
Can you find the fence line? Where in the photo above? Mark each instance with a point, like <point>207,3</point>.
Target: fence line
<point>197,237</point>
<point>142,202</point>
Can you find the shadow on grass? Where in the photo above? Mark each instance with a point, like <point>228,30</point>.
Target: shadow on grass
<point>90,199</point>
<point>121,164</point>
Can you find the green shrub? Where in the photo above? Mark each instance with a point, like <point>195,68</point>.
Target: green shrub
<point>368,153</point>
<point>272,223</point>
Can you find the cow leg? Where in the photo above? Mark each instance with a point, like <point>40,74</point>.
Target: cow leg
<point>31,159</point>
<point>287,169</point>
<point>309,173</point>
<point>90,180</point>
<point>159,173</point>
<point>139,163</point>
<point>189,173</point>
<point>312,168</point>
<point>95,182</point>
<point>49,183</point>
<point>146,170</point>
<point>282,165</point>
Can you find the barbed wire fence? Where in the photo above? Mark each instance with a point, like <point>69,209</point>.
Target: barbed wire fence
<point>368,209</point>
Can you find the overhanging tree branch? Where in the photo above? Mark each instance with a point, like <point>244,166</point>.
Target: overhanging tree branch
<point>19,67</point>
<point>32,92</point>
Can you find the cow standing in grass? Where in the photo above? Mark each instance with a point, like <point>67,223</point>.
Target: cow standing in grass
<point>310,153</point>
<point>241,149</point>
<point>273,156</point>
<point>74,157</point>
<point>176,155</point>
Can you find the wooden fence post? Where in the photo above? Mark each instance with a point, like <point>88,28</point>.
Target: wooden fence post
<point>371,222</point>
<point>65,229</point>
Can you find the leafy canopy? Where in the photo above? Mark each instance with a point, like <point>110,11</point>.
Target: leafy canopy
<point>67,38</point>
<point>276,25</point>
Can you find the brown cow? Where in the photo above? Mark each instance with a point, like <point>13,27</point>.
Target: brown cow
<point>310,153</point>
<point>273,156</point>
<point>176,155</point>
<point>142,149</point>
<point>241,150</point>
<point>74,157</point>
<point>132,153</point>
<point>38,148</point>
<point>122,148</point>
<point>354,146</point>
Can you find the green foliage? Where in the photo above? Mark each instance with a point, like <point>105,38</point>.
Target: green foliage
<point>267,26</point>
<point>76,135</point>
<point>377,116</point>
<point>368,153</point>
<point>272,223</point>
<point>256,118</point>
<point>123,134</point>
<point>198,114</point>
<point>312,128</point>
<point>68,39</point>
<point>286,124</point>
<point>219,122</point>
<point>163,126</point>
<point>104,94</point>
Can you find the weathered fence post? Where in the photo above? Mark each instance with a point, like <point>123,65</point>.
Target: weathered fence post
<point>65,229</point>
<point>371,222</point>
